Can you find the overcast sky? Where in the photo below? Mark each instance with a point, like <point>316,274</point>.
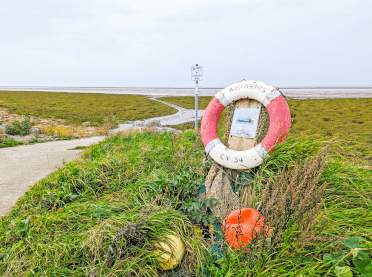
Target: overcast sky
<point>155,42</point>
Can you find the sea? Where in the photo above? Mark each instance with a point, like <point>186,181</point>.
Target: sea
<point>292,92</point>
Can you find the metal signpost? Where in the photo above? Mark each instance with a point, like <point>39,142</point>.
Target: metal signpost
<point>196,75</point>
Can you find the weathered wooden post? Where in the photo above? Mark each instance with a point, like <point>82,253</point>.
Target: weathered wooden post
<point>219,179</point>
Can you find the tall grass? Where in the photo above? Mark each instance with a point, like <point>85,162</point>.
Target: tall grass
<point>345,211</point>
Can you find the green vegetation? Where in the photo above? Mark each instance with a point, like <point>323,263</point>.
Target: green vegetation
<point>65,224</point>
<point>9,142</point>
<point>133,189</point>
<point>350,120</point>
<point>356,259</point>
<point>188,102</point>
<point>77,108</point>
<point>19,128</point>
<point>35,140</point>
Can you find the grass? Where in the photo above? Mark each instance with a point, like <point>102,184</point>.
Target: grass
<point>9,142</point>
<point>77,108</point>
<point>188,102</point>
<point>65,223</point>
<point>350,120</point>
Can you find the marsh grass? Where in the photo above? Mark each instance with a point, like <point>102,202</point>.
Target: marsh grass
<point>77,108</point>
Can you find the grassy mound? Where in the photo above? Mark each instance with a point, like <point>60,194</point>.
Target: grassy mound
<point>133,189</point>
<point>77,108</point>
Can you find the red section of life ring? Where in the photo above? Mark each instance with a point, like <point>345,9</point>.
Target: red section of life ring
<point>210,120</point>
<point>280,122</point>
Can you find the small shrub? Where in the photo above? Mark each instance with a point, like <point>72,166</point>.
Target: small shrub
<point>193,208</point>
<point>48,131</point>
<point>19,128</point>
<point>356,259</point>
<point>9,143</point>
<point>63,131</point>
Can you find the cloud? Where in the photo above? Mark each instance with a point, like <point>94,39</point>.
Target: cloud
<point>139,43</point>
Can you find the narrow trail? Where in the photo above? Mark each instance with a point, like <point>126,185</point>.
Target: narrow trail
<point>182,116</point>
<point>22,166</point>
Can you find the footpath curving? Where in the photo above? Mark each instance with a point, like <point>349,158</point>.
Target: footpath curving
<point>22,166</point>
<point>182,116</point>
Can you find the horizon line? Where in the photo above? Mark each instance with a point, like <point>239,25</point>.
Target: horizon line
<point>151,87</point>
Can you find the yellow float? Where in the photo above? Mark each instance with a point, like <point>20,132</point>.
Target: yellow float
<point>171,252</point>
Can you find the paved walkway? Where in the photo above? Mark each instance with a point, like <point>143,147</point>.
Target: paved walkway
<point>22,166</point>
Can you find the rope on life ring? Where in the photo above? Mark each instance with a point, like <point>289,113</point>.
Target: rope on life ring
<point>280,122</point>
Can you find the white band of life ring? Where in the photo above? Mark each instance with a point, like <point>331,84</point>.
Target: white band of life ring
<point>253,157</point>
<point>266,101</point>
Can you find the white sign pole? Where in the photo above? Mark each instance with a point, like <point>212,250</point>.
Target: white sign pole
<point>196,75</point>
<point>196,103</point>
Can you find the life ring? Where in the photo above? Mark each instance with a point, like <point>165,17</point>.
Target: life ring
<point>280,122</point>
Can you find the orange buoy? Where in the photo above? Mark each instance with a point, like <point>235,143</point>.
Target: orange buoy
<point>241,226</point>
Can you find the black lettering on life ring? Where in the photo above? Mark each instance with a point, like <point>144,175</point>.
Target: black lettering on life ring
<point>221,156</point>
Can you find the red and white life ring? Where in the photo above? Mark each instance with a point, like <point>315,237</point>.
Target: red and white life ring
<point>280,122</point>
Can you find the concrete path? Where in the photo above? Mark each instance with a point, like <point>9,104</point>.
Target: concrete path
<point>22,166</point>
<point>182,116</point>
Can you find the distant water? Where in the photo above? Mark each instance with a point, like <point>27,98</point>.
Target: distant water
<point>293,92</point>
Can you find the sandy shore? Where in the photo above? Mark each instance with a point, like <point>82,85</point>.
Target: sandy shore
<point>293,92</point>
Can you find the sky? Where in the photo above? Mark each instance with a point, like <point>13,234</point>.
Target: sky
<point>154,43</point>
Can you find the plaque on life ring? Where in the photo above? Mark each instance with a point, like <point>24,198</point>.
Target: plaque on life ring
<point>245,122</point>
